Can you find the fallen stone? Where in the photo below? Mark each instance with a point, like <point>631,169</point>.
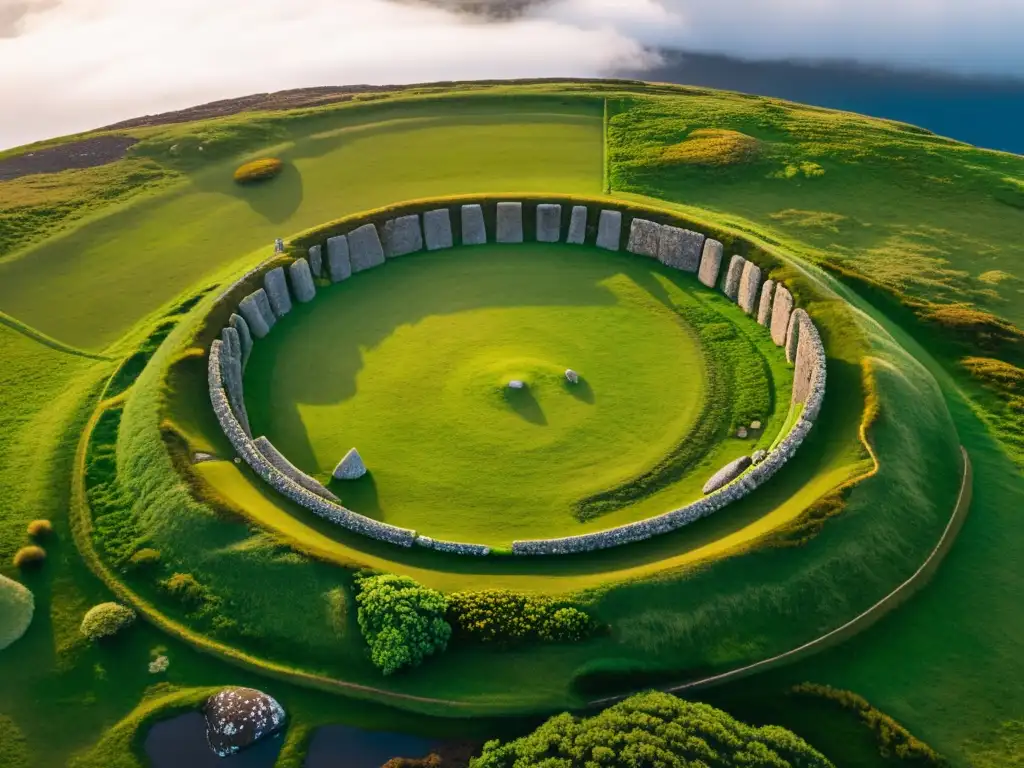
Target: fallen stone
<point>764,309</point>
<point>750,282</point>
<point>237,718</point>
<point>782,307</point>
<point>516,384</point>
<point>510,223</point>
<point>277,291</point>
<point>250,310</point>
<point>755,425</point>
<point>571,376</point>
<point>644,237</point>
<point>280,462</point>
<point>680,248</point>
<point>437,229</point>
<point>793,332</point>
<point>302,280</point>
<point>710,263</point>
<point>758,456</point>
<point>549,223</point>
<point>244,337</point>
<point>316,261</point>
<point>339,266</point>
<point>731,283</point>
<point>402,236</point>
<point>609,230</point>
<point>577,225</point>
<point>351,467</point>
<point>364,248</point>
<point>727,474</point>
<point>473,230</point>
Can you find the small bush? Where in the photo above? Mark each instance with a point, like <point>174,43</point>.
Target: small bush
<point>28,556</point>
<point>40,529</point>
<point>565,625</point>
<point>106,620</point>
<point>145,558</point>
<point>505,617</point>
<point>185,588</point>
<point>258,170</point>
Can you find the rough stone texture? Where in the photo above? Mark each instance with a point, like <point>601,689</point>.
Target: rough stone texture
<point>731,282</point>
<point>199,457</point>
<point>644,237</point>
<point>710,263</point>
<point>609,230</point>
<point>473,230</point>
<point>251,309</point>
<point>764,307</point>
<point>741,432</point>
<point>402,236</point>
<point>680,248</point>
<point>516,384</point>
<point>339,266</point>
<point>302,280</point>
<point>782,307</point>
<point>364,248</point>
<point>282,465</point>
<point>796,325</point>
<point>351,467</point>
<point>239,717</point>
<point>277,291</point>
<point>316,261</point>
<point>509,228</point>
<point>571,376</point>
<point>231,373</point>
<point>758,456</point>
<point>750,282</point>
<point>241,327</point>
<point>549,223</point>
<point>577,225</point>
<point>727,474</point>
<point>809,373</point>
<point>453,547</point>
<point>437,229</point>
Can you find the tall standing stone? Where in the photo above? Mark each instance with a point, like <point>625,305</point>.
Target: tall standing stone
<point>339,266</point>
<point>731,283</point>
<point>577,225</point>
<point>277,291</point>
<point>402,236</point>
<point>302,280</point>
<point>549,223</point>
<point>782,306</point>
<point>510,223</point>
<point>252,309</point>
<point>710,263</point>
<point>750,282</point>
<point>364,248</point>
<point>644,237</point>
<point>796,323</point>
<point>244,337</point>
<point>437,229</point>
<point>474,232</point>
<point>609,230</point>
<point>231,375</point>
<point>316,260</point>
<point>680,248</point>
<point>805,360</point>
<point>764,309</point>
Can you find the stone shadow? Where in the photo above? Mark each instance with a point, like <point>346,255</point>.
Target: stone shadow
<point>276,199</point>
<point>359,495</point>
<point>525,404</point>
<point>581,390</point>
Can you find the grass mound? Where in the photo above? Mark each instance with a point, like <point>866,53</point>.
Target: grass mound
<point>16,608</point>
<point>712,147</point>
<point>258,170</point>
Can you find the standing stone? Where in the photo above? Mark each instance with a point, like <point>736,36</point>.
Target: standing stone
<point>277,291</point>
<point>609,230</point>
<point>473,230</point>
<point>339,267</point>
<point>316,261</point>
<point>244,337</point>
<point>437,229</point>
<point>302,280</point>
<point>250,308</point>
<point>364,248</point>
<point>764,309</point>
<point>750,281</point>
<point>680,248</point>
<point>549,223</point>
<point>731,283</point>
<point>806,359</point>
<point>510,223</point>
<point>644,237</point>
<point>577,225</point>
<point>782,306</point>
<point>710,263</point>
<point>278,245</point>
<point>263,302</point>
<point>571,376</point>
<point>402,236</point>
<point>351,467</point>
<point>239,717</point>
<point>793,333</point>
<point>231,375</point>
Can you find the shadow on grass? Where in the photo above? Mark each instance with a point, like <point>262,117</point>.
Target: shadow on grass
<point>581,390</point>
<point>277,199</point>
<point>525,404</point>
<point>359,494</point>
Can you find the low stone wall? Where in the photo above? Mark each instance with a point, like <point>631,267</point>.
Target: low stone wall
<point>453,547</point>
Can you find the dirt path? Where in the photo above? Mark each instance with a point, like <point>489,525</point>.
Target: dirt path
<point>87,153</point>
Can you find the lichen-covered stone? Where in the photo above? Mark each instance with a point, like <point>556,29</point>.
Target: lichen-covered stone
<point>276,287</point>
<point>239,717</point>
<point>731,283</point>
<point>680,248</point>
<point>241,327</point>
<point>750,282</point>
<point>549,223</point>
<point>251,309</point>
<point>402,236</point>
<point>365,250</point>
<point>302,280</point>
<point>782,307</point>
<point>609,230</point>
<point>281,464</point>
<point>577,225</point>
<point>644,237</point>
<point>710,263</point>
<point>474,232</point>
<point>796,325</point>
<point>727,474</point>
<point>437,229</point>
<point>764,307</point>
<point>509,227</point>
<point>316,260</point>
<point>351,467</point>
<point>339,265</point>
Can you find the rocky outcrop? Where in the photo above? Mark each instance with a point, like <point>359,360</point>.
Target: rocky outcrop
<point>302,281</point>
<point>402,236</point>
<point>710,263</point>
<point>644,237</point>
<point>474,232</point>
<point>255,308</point>
<point>577,225</point>
<point>277,291</point>
<point>351,467</point>
<point>727,474</point>
<point>339,264</point>
<point>731,283</point>
<point>509,228</point>
<point>764,307</point>
<point>782,308</point>
<point>281,464</point>
<point>609,230</point>
<point>237,718</point>
<point>241,327</point>
<point>437,229</point>
<point>365,250</point>
<point>549,223</point>
<point>750,283</point>
<point>316,260</point>
<point>680,248</point>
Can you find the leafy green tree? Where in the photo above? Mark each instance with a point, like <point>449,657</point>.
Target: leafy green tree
<point>402,621</point>
<point>653,729</point>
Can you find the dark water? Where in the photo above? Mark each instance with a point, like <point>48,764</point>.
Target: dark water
<point>339,746</point>
<point>181,743</point>
<point>986,112</point>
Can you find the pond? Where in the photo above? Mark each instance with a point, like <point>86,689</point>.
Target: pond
<point>341,746</point>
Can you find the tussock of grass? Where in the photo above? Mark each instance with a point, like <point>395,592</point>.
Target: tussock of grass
<point>40,529</point>
<point>28,557</point>
<point>258,170</point>
<point>713,147</point>
<point>995,276</point>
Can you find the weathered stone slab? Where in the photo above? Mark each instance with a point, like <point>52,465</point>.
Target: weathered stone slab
<point>806,358</point>
<point>239,717</point>
<point>764,308</point>
<point>549,223</point>
<point>277,291</point>
<point>577,225</point>
<point>364,248</point>
<point>351,467</point>
<point>252,309</point>
<point>609,230</point>
<point>474,232</point>
<point>244,337</point>
<point>316,261</point>
<point>281,464</point>
<point>782,307</point>
<point>302,280</point>
<point>731,283</point>
<point>510,223</point>
<point>644,237</point>
<point>680,248</point>
<point>793,332</point>
<point>231,375</point>
<point>437,229</point>
<point>339,266</point>
<point>402,236</point>
<point>727,474</point>
<point>710,263</point>
<point>750,282</point>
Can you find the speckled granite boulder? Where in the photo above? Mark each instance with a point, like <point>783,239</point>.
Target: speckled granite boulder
<point>680,248</point>
<point>365,250</point>
<point>255,308</point>
<point>644,237</point>
<point>750,282</point>
<point>302,280</point>
<point>244,337</point>
<point>351,467</point>
<point>577,225</point>
<point>339,266</point>
<point>764,307</point>
<point>782,307</point>
<point>710,263</point>
<point>437,229</point>
<point>731,283</point>
<point>316,260</point>
<point>727,474</point>
<point>609,230</point>
<point>549,223</point>
<point>473,230</point>
<point>239,717</point>
<point>402,236</point>
<point>509,227</point>
<point>277,291</point>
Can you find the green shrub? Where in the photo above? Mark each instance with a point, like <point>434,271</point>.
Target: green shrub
<point>28,556</point>
<point>402,621</point>
<point>566,625</point>
<point>505,617</point>
<point>145,558</point>
<point>186,589</point>
<point>106,620</point>
<point>16,608</point>
<point>258,170</point>
<point>40,529</point>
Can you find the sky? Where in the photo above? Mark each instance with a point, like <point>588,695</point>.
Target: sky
<point>72,65</point>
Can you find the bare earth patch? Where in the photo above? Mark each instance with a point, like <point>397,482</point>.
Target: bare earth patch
<point>87,153</point>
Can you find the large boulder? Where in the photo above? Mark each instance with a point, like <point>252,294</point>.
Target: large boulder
<point>731,283</point>
<point>239,717</point>
<point>549,223</point>
<point>764,309</point>
<point>782,307</point>
<point>351,467</point>
<point>437,229</point>
<point>644,237</point>
<point>750,282</point>
<point>680,248</point>
<point>609,230</point>
<point>710,262</point>
<point>316,260</point>
<point>365,250</point>
<point>277,291</point>
<point>255,308</point>
<point>339,265</point>
<point>402,236</point>
<point>473,230</point>
<point>509,228</point>
<point>727,474</point>
<point>577,225</point>
<point>302,280</point>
